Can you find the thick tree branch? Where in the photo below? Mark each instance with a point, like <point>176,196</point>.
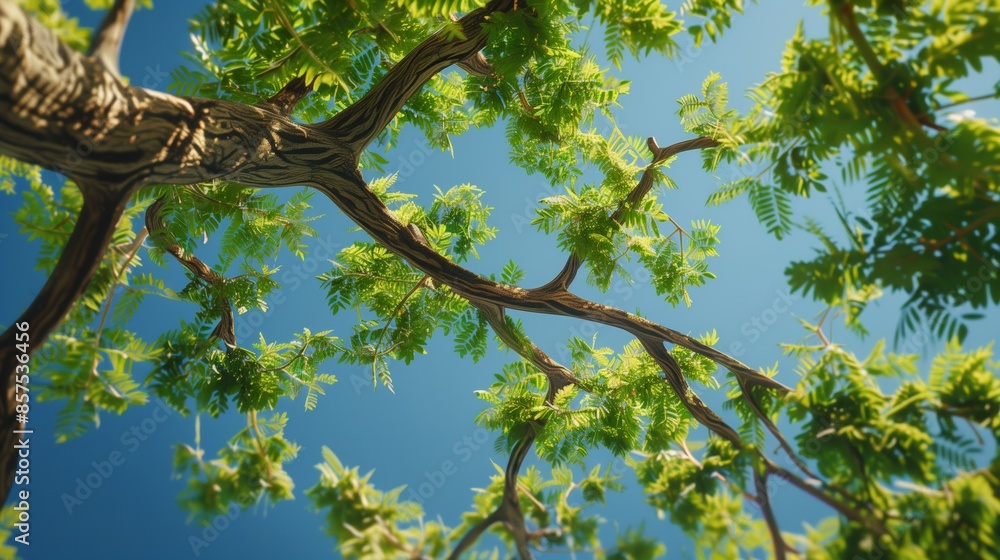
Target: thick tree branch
<point>558,375</point>
<point>475,64</point>
<point>51,98</point>
<point>77,264</point>
<point>289,96</point>
<point>360,123</point>
<point>364,208</point>
<point>69,113</point>
<point>106,43</point>
<point>367,210</point>
<point>699,410</point>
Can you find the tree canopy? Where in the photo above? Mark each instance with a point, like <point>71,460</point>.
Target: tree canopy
<point>898,447</point>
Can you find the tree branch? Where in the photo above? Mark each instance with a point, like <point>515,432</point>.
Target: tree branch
<point>510,508</point>
<point>79,260</point>
<point>140,137</point>
<point>67,112</point>
<point>566,276</point>
<point>162,237</point>
<point>476,64</point>
<point>106,43</point>
<point>843,11</point>
<point>288,96</point>
<point>985,97</point>
<point>508,511</point>
<point>473,535</point>
<point>699,410</point>
<point>846,510</point>
<point>558,375</point>
<point>764,500</point>
<point>363,120</point>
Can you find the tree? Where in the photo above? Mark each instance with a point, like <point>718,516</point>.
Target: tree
<point>897,466</point>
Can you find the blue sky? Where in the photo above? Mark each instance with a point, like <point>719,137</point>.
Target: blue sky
<point>407,436</point>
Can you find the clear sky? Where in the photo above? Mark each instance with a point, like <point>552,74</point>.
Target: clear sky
<point>429,420</point>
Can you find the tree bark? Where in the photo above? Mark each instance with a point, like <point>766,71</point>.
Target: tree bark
<point>71,113</point>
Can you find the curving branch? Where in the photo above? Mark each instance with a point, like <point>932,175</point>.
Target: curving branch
<point>699,410</point>
<point>79,260</point>
<point>473,535</point>
<point>106,44</point>
<point>566,276</point>
<point>52,97</point>
<point>845,15</point>
<point>510,506</point>
<point>764,501</point>
<point>475,64</point>
<point>558,375</point>
<point>351,195</point>
<point>161,236</point>
<point>508,511</point>
<point>847,510</point>
<point>363,120</point>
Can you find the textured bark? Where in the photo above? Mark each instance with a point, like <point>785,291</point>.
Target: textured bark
<point>362,121</point>
<point>80,258</point>
<point>71,113</point>
<point>107,42</point>
<point>161,236</point>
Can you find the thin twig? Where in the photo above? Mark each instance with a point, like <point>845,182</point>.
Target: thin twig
<point>420,283</point>
<point>133,250</point>
<point>969,100</point>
